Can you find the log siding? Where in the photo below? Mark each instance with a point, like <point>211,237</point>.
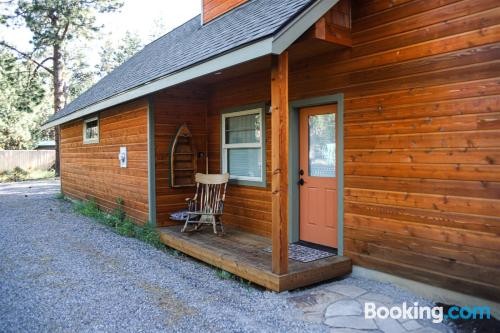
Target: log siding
<point>421,88</point>
<point>422,139</point>
<point>92,171</point>
<point>172,108</point>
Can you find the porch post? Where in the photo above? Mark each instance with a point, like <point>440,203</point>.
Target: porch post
<point>279,160</point>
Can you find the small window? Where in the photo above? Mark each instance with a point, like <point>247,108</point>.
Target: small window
<point>242,145</point>
<point>91,130</point>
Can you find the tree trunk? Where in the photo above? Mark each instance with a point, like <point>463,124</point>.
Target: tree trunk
<point>58,96</point>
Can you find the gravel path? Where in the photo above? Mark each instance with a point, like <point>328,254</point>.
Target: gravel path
<point>61,272</point>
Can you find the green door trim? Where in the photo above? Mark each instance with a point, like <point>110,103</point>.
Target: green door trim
<point>151,163</point>
<point>293,164</point>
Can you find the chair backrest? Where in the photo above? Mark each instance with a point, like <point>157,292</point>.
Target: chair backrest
<point>211,192</point>
<point>210,179</point>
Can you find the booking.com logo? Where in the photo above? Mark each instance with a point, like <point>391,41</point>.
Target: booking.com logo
<point>436,314</point>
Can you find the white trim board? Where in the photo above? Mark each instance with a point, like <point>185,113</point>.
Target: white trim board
<point>270,45</point>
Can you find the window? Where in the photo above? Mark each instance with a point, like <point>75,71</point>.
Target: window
<point>242,146</point>
<point>91,130</point>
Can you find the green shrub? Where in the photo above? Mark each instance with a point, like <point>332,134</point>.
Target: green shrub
<point>119,211</point>
<point>19,174</point>
<point>15,175</point>
<point>110,220</point>
<point>88,208</point>
<point>119,222</point>
<point>126,228</point>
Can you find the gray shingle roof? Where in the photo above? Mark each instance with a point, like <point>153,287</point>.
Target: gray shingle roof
<point>189,44</point>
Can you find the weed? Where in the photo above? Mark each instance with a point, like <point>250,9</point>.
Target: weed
<point>126,228</point>
<point>224,275</point>
<point>246,283</point>
<point>147,233</point>
<point>119,211</point>
<point>119,222</point>
<point>88,208</point>
<point>60,196</point>
<point>175,253</point>
<point>109,219</point>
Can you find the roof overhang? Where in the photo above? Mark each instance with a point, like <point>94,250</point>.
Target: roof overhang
<point>272,45</point>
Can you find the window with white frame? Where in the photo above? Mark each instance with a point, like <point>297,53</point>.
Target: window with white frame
<point>242,145</point>
<point>91,130</point>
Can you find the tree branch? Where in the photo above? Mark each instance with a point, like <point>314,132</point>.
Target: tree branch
<point>28,57</point>
<point>40,65</point>
<point>65,32</point>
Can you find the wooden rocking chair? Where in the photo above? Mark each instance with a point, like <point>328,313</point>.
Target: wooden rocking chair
<point>207,205</point>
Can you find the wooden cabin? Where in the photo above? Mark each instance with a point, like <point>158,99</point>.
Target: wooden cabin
<point>368,126</point>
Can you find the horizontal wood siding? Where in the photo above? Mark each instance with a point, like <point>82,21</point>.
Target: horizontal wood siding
<point>247,207</point>
<point>215,8</point>
<point>172,108</point>
<point>93,170</point>
<point>422,142</point>
<point>422,138</point>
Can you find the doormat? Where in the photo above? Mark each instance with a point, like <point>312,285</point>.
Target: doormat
<point>303,253</point>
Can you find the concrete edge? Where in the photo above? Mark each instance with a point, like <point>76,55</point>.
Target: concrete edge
<point>434,293</point>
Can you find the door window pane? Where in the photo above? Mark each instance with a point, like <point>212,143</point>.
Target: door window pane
<point>322,145</point>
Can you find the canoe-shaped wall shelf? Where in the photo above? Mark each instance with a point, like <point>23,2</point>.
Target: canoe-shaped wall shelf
<point>182,158</point>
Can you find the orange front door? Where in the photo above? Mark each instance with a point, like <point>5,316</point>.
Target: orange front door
<point>318,178</point>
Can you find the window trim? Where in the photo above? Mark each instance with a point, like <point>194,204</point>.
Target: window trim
<point>240,111</point>
<point>85,139</point>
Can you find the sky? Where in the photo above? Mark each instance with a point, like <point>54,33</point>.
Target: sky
<point>144,17</point>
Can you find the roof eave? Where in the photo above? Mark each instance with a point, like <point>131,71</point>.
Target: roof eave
<point>272,45</point>
<point>294,29</point>
<point>244,54</point>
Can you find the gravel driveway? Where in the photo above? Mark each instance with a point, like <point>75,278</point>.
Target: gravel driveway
<point>61,272</point>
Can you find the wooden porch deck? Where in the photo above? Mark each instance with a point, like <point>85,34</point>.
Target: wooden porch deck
<point>242,254</point>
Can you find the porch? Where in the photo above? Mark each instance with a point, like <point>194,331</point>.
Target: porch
<point>261,206</point>
<point>242,253</point>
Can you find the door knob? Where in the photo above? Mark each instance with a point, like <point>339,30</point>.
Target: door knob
<point>301,181</point>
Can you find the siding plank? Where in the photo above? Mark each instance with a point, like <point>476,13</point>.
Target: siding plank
<point>93,171</point>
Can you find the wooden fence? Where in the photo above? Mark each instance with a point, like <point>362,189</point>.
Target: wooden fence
<point>27,159</point>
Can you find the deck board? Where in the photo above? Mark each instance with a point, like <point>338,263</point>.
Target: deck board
<point>242,254</point>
